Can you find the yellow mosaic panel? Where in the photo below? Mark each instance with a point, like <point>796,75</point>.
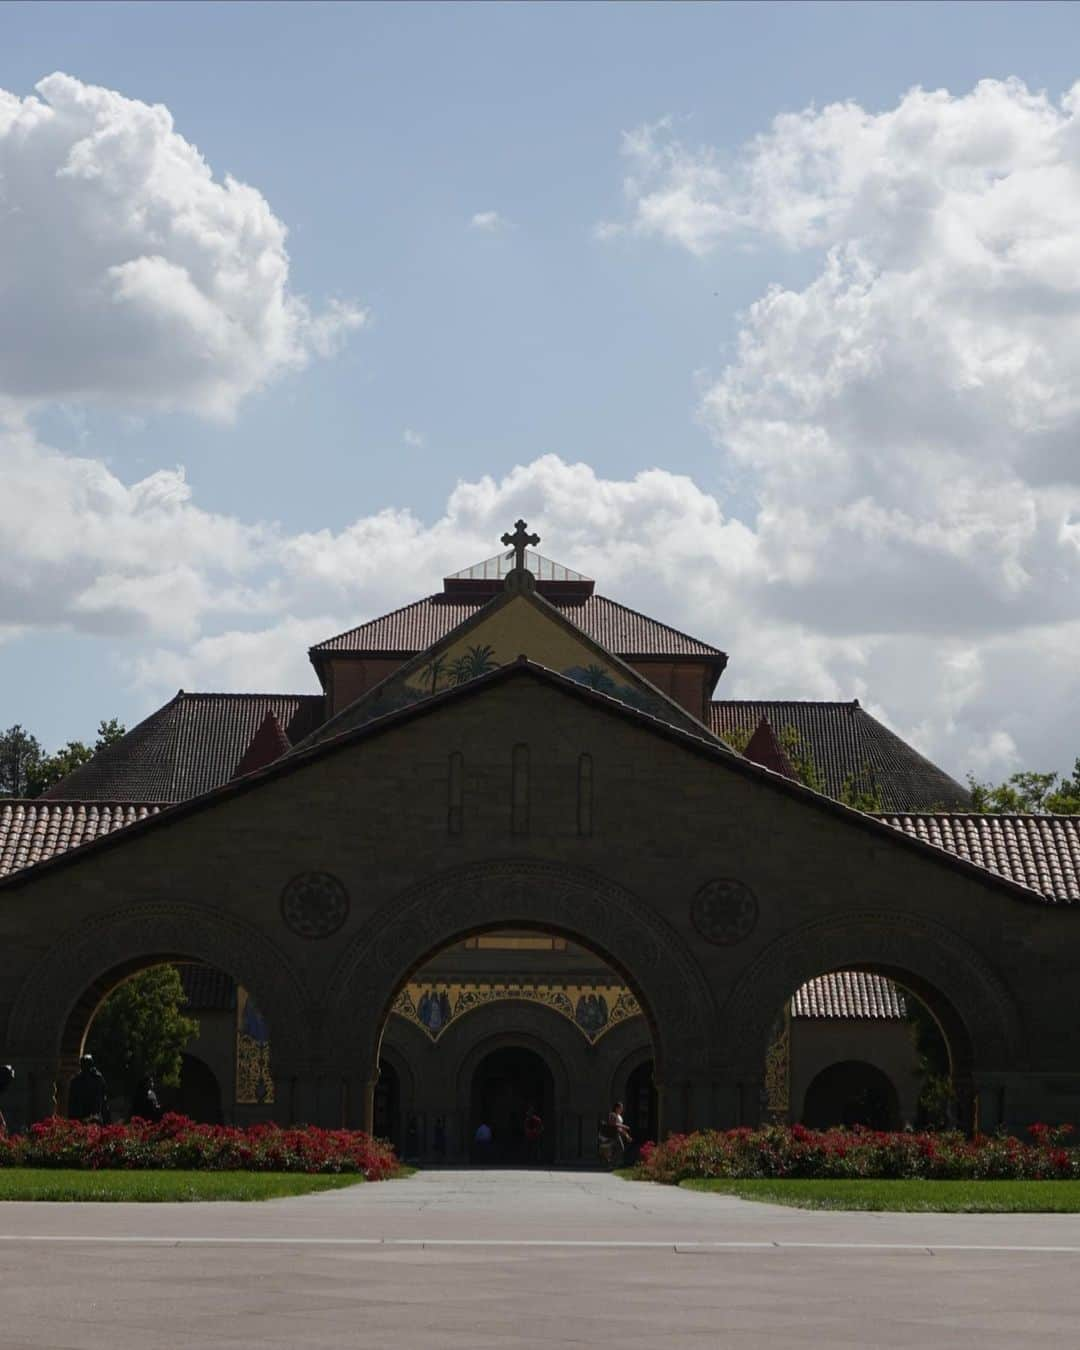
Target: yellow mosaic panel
<point>593,1009</point>
<point>254,1082</point>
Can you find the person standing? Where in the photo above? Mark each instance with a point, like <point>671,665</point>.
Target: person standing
<point>7,1077</point>
<point>144,1103</point>
<point>88,1098</point>
<point>482,1141</point>
<point>534,1130</point>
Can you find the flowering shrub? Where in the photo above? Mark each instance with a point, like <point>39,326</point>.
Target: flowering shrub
<point>795,1151</point>
<point>176,1142</point>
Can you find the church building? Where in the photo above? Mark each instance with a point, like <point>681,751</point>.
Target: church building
<point>516,852</point>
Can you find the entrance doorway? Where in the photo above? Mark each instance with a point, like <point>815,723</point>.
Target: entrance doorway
<point>505,1084</point>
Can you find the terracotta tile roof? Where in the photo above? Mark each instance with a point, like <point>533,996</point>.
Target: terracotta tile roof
<point>417,626</point>
<point>34,831</point>
<point>192,744</point>
<point>844,740</point>
<point>207,988</point>
<point>850,994</point>
<point>1042,852</point>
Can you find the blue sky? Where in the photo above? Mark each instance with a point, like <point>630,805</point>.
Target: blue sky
<point>376,133</point>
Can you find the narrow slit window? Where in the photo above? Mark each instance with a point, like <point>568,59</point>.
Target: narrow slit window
<point>519,790</point>
<point>455,793</point>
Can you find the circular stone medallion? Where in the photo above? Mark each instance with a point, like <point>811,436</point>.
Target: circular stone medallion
<point>314,904</point>
<point>724,911</point>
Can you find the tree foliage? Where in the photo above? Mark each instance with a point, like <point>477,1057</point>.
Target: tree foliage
<point>27,771</point>
<point>20,759</point>
<point>1029,792</point>
<point>141,1029</point>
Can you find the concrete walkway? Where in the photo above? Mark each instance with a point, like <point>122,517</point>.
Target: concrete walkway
<point>528,1259</point>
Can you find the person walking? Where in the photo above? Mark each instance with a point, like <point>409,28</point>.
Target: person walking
<point>614,1137</point>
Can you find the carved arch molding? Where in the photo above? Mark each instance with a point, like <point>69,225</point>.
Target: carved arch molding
<point>928,952</point>
<point>159,929</point>
<point>622,929</point>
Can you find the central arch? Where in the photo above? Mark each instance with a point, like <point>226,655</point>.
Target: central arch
<point>571,902</point>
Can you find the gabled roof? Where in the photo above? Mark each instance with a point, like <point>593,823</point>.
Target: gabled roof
<point>268,743</point>
<point>849,994</point>
<point>845,742</point>
<point>881,828</point>
<point>415,627</point>
<point>514,621</point>
<point>190,745</point>
<point>764,749</point>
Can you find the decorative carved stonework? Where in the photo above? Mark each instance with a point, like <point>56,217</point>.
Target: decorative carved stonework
<point>314,905</point>
<point>724,911</point>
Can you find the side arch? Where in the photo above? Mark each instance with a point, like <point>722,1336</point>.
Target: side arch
<point>72,973</point>
<point>971,1000</point>
<point>627,933</point>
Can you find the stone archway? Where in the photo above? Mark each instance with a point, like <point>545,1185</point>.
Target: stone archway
<point>969,999</point>
<point>59,995</point>
<point>572,902</point>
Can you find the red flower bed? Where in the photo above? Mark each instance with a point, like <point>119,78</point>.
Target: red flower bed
<point>781,1151</point>
<point>176,1142</point>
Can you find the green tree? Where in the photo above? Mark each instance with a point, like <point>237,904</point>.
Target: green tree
<point>51,769</point>
<point>1030,793</point>
<point>20,756</point>
<point>141,1029</point>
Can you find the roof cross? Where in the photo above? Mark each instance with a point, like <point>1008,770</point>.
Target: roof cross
<point>519,541</point>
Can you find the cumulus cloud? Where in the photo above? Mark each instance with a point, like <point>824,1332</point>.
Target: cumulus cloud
<point>909,418</point>
<point>85,551</point>
<point>129,272</point>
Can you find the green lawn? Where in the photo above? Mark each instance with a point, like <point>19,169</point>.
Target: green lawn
<point>943,1197</point>
<point>43,1183</point>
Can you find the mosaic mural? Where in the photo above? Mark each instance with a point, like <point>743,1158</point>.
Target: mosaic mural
<point>593,1009</point>
<point>254,1084</point>
<point>778,1068</point>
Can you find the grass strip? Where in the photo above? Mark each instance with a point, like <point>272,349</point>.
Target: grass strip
<point>44,1183</point>
<point>920,1197</point>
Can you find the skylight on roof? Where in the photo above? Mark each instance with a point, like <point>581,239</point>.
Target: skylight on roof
<point>494,569</point>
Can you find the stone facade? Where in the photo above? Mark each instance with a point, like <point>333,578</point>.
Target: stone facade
<point>436,825</point>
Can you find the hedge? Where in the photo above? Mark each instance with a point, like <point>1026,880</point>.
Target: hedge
<point>176,1142</point>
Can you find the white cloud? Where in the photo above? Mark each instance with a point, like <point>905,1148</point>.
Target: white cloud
<point>489,221</point>
<point>80,549</point>
<point>908,419</point>
<point>416,440</point>
<point>130,274</point>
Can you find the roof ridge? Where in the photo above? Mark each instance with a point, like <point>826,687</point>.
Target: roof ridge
<point>852,704</point>
<point>222,693</point>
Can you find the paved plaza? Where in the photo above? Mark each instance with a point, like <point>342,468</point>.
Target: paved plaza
<point>528,1259</point>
